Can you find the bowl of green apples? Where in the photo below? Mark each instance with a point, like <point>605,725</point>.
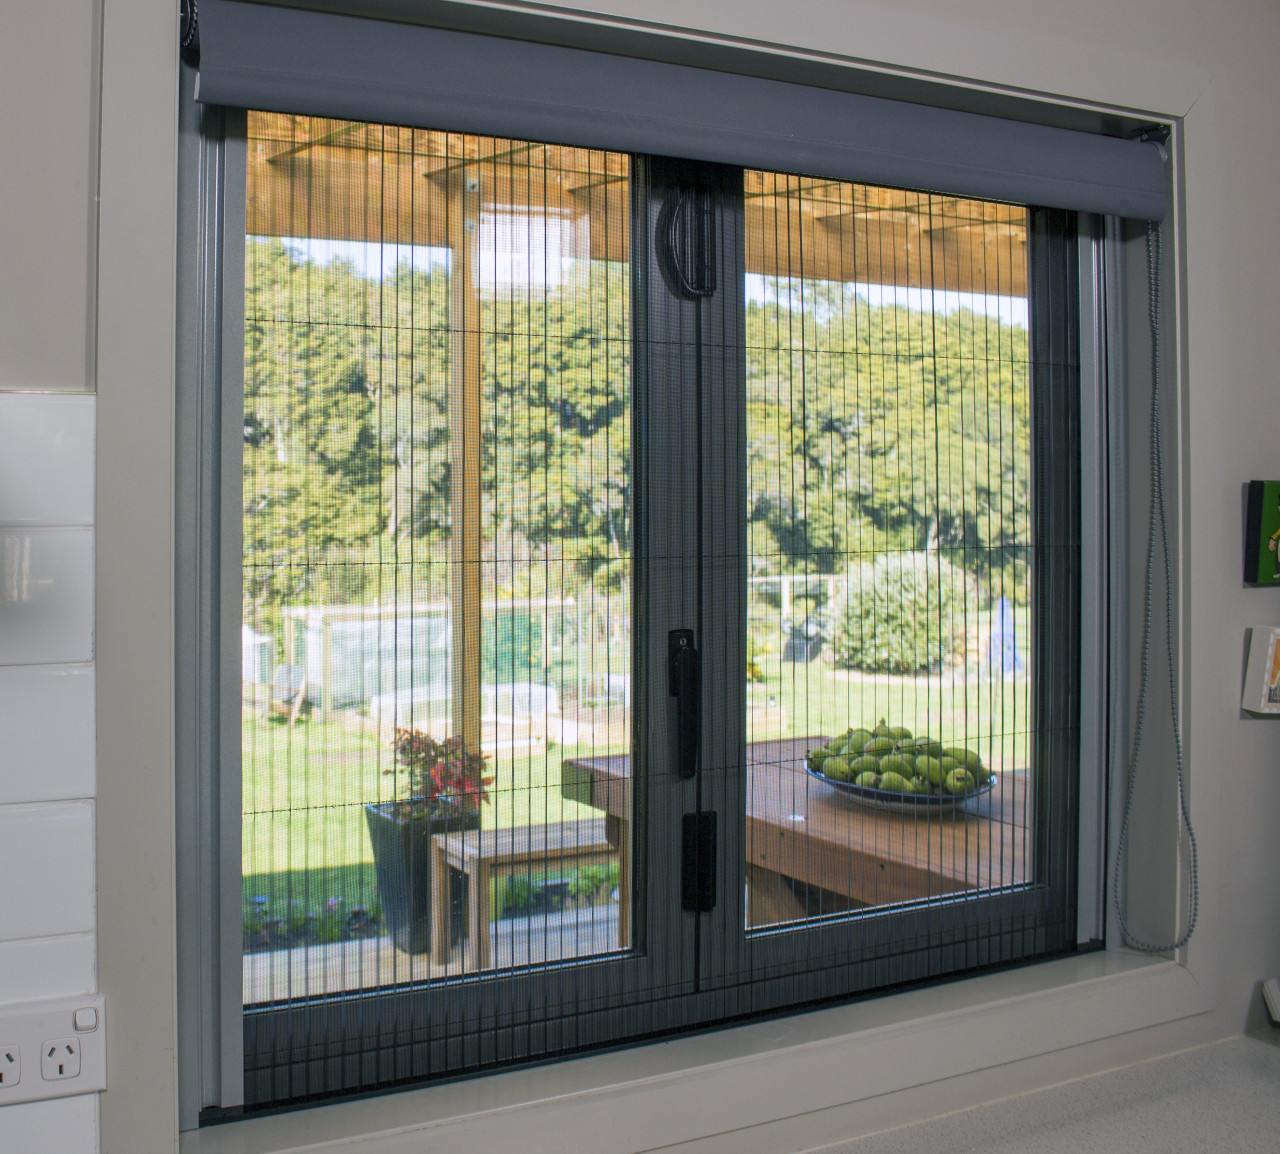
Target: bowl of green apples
<point>890,768</point>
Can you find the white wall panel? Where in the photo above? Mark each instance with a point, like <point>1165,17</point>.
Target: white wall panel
<point>32,969</point>
<point>46,732</point>
<point>48,73</point>
<point>51,848</point>
<point>65,1125</point>
<point>46,596</point>
<point>46,459</point>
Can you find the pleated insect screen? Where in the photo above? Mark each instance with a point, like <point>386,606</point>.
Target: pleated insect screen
<point>437,552</point>
<point>486,430</point>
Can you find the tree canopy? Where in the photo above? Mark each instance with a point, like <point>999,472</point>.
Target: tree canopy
<point>879,428</point>
<point>871,428</point>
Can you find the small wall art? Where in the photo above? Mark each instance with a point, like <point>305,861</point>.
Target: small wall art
<point>1262,534</point>
<point>1262,679</point>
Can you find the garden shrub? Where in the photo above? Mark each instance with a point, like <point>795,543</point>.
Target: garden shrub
<point>518,893</point>
<point>901,613</point>
<point>591,883</point>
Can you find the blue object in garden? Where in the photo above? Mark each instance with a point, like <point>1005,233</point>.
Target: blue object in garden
<point>1003,656</point>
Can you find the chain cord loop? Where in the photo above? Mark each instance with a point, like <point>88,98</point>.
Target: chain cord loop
<point>1158,524</point>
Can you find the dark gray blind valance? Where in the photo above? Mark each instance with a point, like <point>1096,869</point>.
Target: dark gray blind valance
<point>289,60</point>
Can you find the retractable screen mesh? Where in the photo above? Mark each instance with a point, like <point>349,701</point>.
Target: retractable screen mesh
<point>889,636</point>
<point>437,560</point>
<point>848,532</point>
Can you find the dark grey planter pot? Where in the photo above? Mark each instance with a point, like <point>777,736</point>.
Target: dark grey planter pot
<point>402,864</point>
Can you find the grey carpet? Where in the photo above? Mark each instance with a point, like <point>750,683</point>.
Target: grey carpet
<point>1224,1097</point>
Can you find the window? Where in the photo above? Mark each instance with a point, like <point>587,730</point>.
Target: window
<point>658,595</point>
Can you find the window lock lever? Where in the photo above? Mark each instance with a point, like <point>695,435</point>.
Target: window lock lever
<point>684,678</point>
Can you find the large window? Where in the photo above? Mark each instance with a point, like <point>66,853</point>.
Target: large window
<point>650,594</point>
<point>486,384</point>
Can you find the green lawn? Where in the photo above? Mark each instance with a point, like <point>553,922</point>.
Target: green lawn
<point>956,707</point>
<point>305,787</point>
<point>990,716</point>
<point>306,849</point>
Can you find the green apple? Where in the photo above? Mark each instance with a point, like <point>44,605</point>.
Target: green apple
<point>931,768</point>
<point>836,768</point>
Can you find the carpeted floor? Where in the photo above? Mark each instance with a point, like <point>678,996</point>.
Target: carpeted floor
<point>1224,1097</point>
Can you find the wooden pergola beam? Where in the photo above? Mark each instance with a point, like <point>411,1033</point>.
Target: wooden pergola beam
<point>463,231</point>
<point>334,192</point>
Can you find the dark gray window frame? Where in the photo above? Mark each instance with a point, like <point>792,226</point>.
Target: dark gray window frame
<point>207,418</point>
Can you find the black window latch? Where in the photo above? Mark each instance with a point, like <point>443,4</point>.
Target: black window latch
<point>698,863</point>
<point>684,683</point>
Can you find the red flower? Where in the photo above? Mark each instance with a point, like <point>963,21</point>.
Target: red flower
<point>440,773</point>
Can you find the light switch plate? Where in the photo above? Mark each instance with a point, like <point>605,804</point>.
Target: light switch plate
<point>32,1027</point>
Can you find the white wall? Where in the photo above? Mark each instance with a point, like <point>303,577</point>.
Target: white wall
<point>95,309</point>
<point>47,423</point>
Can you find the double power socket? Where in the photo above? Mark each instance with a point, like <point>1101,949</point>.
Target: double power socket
<point>52,1049</point>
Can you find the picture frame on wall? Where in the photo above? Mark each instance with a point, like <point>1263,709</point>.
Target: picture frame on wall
<point>1262,679</point>
<point>1262,534</point>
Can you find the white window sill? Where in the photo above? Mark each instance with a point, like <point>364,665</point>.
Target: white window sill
<point>695,1087</point>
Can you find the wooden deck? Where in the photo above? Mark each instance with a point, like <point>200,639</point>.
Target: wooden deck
<point>308,971</point>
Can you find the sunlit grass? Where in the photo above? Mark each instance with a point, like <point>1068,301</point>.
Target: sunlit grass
<point>990,716</point>
<point>305,787</point>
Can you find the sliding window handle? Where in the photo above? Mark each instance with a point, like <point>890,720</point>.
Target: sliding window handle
<point>684,677</point>
<point>686,242</point>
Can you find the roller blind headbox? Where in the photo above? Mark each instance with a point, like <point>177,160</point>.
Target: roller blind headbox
<point>320,64</point>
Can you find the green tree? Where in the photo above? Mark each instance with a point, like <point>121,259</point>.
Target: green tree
<point>312,454</point>
<point>881,428</point>
<point>558,423</point>
<point>870,429</point>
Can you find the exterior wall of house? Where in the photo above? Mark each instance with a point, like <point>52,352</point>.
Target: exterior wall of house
<point>87,172</point>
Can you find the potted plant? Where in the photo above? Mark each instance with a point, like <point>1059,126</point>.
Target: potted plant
<point>440,787</point>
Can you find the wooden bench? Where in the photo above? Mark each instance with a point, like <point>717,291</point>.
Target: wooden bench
<point>482,855</point>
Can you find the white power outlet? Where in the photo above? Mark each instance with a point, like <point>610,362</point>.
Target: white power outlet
<point>68,1035</point>
<point>10,1066</point>
<point>60,1058</point>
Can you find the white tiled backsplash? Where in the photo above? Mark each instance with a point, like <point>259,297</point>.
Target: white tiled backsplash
<point>48,910</point>
<point>46,596</point>
<point>34,969</point>
<point>46,459</point>
<point>51,844</point>
<point>46,732</point>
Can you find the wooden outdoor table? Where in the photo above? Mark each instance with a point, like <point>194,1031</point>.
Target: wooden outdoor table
<point>807,843</point>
